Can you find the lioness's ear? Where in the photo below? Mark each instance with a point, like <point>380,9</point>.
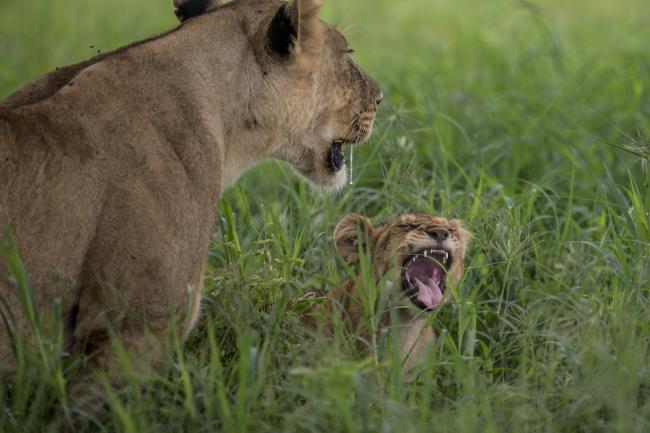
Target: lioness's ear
<point>351,231</point>
<point>186,9</point>
<point>290,25</point>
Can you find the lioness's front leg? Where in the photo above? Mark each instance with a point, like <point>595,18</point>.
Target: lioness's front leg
<point>141,277</point>
<point>144,348</point>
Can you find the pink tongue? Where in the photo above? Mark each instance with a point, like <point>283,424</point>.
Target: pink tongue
<point>428,292</point>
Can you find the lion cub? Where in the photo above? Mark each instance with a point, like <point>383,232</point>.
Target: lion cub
<point>422,254</point>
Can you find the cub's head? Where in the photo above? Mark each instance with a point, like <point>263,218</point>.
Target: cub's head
<point>424,252</point>
<point>304,84</point>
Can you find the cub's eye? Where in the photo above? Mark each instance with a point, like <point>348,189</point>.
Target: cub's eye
<point>349,51</point>
<point>411,226</point>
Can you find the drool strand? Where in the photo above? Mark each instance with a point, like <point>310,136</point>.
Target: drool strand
<point>351,164</point>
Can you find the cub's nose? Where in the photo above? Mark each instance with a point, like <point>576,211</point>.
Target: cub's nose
<point>439,234</point>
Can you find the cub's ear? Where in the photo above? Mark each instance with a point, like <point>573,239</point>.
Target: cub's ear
<point>291,26</point>
<point>186,9</point>
<point>351,233</point>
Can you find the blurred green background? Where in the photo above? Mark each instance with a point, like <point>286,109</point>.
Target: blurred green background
<point>529,120</point>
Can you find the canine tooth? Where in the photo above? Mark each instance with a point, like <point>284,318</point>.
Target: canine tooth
<point>425,253</point>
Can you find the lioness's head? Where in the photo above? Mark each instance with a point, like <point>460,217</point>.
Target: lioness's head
<point>304,85</point>
<point>425,252</point>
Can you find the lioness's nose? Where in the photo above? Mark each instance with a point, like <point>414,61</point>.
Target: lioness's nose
<point>439,234</point>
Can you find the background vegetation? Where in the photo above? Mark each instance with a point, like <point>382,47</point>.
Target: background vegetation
<point>529,120</point>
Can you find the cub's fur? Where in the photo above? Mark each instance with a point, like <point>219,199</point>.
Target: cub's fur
<point>111,170</point>
<point>404,251</point>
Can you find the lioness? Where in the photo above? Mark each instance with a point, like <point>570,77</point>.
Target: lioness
<point>422,253</point>
<point>111,170</point>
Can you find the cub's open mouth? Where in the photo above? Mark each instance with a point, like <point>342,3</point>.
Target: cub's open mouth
<point>424,277</point>
<point>336,157</point>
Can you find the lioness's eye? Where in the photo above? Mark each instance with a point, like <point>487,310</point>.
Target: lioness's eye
<point>409,226</point>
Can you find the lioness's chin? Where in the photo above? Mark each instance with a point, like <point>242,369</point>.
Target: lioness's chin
<point>326,178</point>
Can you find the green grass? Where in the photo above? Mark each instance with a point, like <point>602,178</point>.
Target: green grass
<point>529,120</point>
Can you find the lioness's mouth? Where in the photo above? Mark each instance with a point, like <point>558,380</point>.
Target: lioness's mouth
<point>336,157</point>
<point>424,277</point>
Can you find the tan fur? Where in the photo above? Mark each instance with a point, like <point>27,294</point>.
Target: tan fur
<point>387,246</point>
<point>194,307</point>
<point>111,170</point>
